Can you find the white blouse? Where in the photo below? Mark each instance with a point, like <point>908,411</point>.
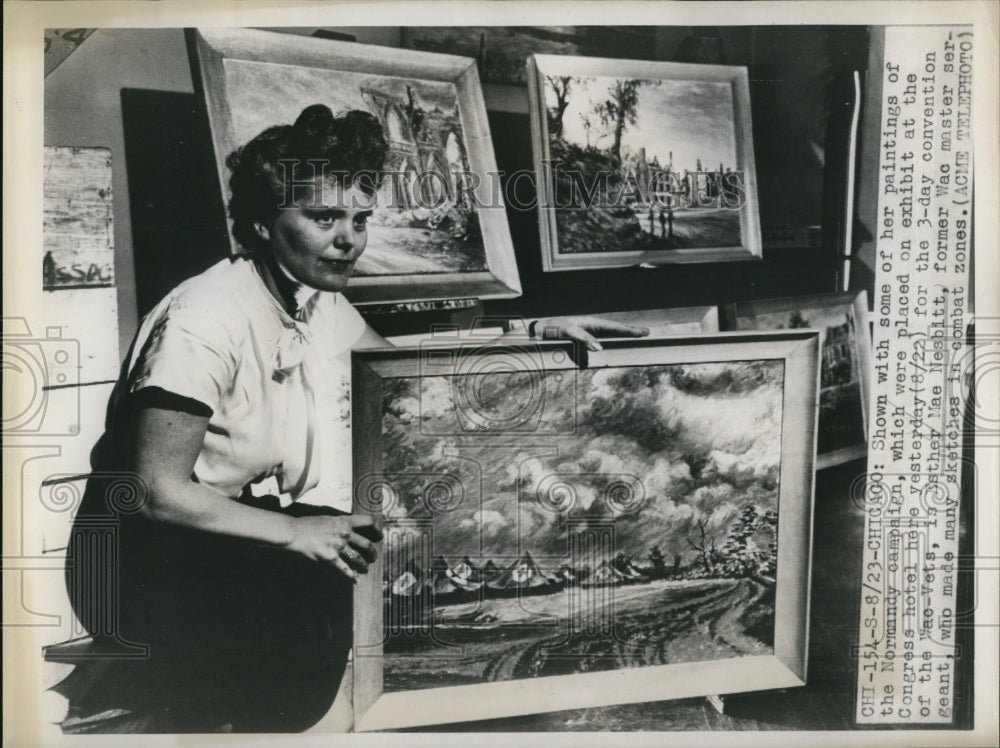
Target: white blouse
<point>279,388</point>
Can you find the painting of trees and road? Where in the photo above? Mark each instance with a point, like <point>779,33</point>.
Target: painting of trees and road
<point>643,533</point>
<point>640,164</point>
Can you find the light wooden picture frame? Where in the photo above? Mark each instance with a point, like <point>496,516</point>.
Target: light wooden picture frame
<point>642,162</point>
<point>440,231</point>
<point>845,383</point>
<point>519,494</point>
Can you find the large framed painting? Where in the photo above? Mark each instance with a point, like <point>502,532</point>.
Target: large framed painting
<point>642,162</point>
<point>845,374</point>
<point>567,529</point>
<point>440,231</point>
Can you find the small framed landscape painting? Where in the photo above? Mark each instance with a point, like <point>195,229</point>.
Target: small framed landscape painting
<point>845,373</point>
<point>440,228</point>
<point>565,532</point>
<point>642,162</point>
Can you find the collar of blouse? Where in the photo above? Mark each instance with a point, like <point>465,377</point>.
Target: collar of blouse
<point>298,301</point>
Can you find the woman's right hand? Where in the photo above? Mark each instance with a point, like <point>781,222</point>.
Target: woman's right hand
<point>347,542</point>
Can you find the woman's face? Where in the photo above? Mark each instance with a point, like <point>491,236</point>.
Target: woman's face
<point>320,237</point>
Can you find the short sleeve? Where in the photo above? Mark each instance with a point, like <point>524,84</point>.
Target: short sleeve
<point>189,354</point>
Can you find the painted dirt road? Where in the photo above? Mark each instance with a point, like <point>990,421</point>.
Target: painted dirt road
<point>584,629</point>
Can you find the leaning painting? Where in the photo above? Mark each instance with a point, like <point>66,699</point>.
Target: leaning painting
<point>435,233</point>
<point>550,522</point>
<point>842,319</point>
<point>642,162</point>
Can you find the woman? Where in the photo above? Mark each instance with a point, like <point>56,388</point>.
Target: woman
<point>243,595</point>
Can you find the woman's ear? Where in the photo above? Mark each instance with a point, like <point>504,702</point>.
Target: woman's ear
<point>262,231</point>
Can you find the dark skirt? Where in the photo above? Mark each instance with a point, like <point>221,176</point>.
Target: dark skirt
<point>235,632</point>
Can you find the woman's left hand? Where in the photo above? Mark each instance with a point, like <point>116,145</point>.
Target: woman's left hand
<point>586,330</point>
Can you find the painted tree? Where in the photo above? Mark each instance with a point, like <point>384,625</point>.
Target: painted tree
<point>619,110</point>
<point>623,562</point>
<point>797,321</point>
<point>705,545</point>
<point>658,562</point>
<point>743,553</point>
<point>588,127</point>
<point>769,520</point>
<point>414,112</point>
<point>739,553</point>
<point>561,85</point>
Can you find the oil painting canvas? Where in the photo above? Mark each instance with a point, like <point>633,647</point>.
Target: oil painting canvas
<point>634,522</point>
<point>643,162</point>
<point>842,320</point>
<point>432,228</point>
<point>673,507</point>
<point>425,222</point>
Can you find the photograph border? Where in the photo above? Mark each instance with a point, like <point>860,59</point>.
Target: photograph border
<point>27,704</point>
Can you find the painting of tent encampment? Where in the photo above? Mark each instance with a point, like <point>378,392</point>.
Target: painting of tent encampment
<point>644,533</point>
<point>552,519</point>
<point>642,162</point>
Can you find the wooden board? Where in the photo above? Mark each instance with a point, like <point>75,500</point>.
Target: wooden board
<point>77,218</point>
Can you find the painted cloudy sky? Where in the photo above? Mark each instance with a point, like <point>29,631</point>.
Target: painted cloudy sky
<point>691,441</point>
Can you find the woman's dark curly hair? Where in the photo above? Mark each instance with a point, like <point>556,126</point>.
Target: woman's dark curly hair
<point>350,149</point>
